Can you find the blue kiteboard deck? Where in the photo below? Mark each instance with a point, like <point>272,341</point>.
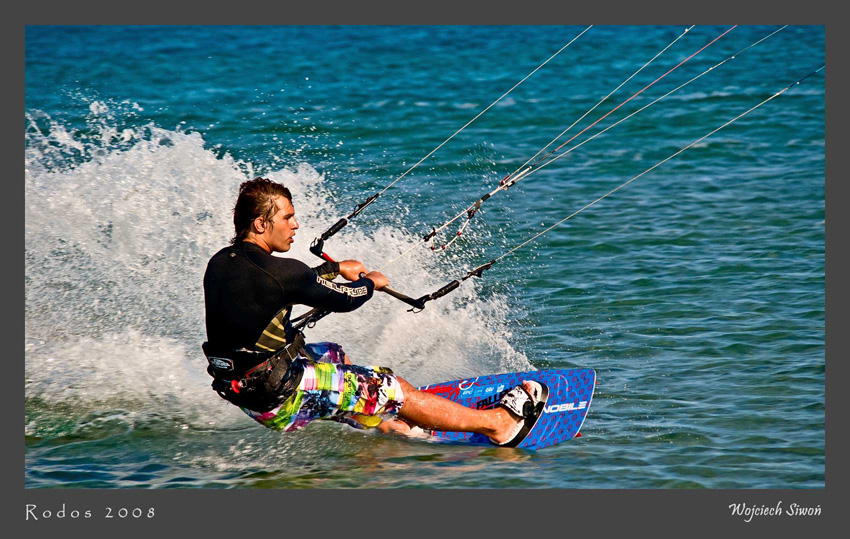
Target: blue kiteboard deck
<point>570,393</point>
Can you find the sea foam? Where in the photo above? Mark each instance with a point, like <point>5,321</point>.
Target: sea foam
<point>120,224</point>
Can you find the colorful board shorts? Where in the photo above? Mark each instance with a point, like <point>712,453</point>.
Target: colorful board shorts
<point>361,397</point>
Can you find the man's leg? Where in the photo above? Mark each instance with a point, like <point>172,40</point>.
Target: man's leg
<point>432,412</point>
<point>333,353</point>
<point>427,410</point>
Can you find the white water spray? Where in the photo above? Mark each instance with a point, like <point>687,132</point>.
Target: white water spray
<point>119,227</point>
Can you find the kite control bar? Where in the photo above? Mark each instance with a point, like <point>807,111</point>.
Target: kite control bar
<point>316,249</point>
<point>477,272</point>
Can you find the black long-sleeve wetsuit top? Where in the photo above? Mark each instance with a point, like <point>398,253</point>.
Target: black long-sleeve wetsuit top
<point>249,294</point>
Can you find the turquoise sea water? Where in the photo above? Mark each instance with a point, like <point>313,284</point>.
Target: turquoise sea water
<point>696,292</point>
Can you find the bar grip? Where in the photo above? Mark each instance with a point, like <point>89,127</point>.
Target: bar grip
<point>445,290</point>
<point>417,303</point>
<point>334,229</point>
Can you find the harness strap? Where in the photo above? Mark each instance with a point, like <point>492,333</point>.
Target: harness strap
<point>259,387</point>
<point>281,361</point>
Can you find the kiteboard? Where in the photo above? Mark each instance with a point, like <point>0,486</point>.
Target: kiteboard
<point>570,393</point>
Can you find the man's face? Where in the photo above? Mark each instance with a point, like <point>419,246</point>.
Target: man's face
<point>279,235</point>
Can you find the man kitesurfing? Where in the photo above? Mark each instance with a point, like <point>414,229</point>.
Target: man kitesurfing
<point>261,363</point>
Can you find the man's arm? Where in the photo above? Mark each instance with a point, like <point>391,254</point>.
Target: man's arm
<point>313,290</point>
<point>329,270</point>
<point>349,269</point>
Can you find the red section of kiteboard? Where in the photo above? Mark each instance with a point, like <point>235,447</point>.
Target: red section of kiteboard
<point>570,394</point>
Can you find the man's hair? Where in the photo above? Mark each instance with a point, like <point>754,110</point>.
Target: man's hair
<point>256,199</point>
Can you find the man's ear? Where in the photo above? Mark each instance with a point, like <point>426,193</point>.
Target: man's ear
<point>259,225</point>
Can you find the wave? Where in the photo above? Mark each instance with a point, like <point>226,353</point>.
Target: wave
<point>120,223</point>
